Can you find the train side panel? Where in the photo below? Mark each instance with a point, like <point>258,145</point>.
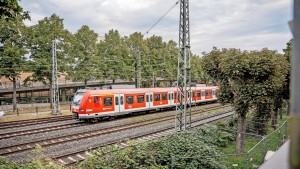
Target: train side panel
<point>101,103</point>
<point>160,99</point>
<point>135,101</point>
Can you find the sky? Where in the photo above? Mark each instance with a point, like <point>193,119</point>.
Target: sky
<point>243,24</point>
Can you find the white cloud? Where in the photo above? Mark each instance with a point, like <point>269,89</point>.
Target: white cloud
<point>247,24</point>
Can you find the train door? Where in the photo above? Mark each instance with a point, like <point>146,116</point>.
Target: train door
<point>171,98</point>
<point>202,94</point>
<point>148,100</point>
<point>117,102</point>
<point>215,94</point>
<point>121,103</point>
<point>151,99</point>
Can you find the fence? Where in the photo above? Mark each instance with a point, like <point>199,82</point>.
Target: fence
<point>271,142</point>
<point>36,108</point>
<point>249,160</point>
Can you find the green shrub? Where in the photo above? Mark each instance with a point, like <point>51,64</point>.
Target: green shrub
<point>200,146</point>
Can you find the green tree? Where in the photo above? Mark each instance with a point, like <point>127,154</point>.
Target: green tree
<point>85,61</point>
<point>136,48</point>
<point>288,55</point>
<point>154,60</point>
<point>12,51</point>
<point>197,72</point>
<point>247,80</point>
<point>10,9</point>
<point>115,56</point>
<point>40,40</point>
<point>171,59</point>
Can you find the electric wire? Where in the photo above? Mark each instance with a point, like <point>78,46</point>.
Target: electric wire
<point>161,18</point>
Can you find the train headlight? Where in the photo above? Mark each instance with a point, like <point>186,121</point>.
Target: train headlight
<point>81,110</point>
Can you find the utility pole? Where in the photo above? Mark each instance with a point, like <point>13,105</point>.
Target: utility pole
<point>54,87</point>
<point>183,106</point>
<point>153,80</point>
<point>139,70</point>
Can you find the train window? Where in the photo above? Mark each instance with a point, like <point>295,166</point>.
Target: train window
<point>108,101</point>
<point>129,99</point>
<point>147,98</point>
<point>141,99</point>
<point>203,94</point>
<point>157,97</point>
<point>169,96</point>
<point>151,98</point>
<point>164,96</point>
<point>209,93</point>
<point>117,100</point>
<point>206,93</point>
<point>194,94</point>
<point>199,94</point>
<point>121,100</point>
<point>95,99</point>
<point>175,95</point>
<point>172,96</point>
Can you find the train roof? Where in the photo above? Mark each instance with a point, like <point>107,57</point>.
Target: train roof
<point>143,90</point>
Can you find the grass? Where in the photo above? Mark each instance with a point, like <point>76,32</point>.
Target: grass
<point>256,156</point>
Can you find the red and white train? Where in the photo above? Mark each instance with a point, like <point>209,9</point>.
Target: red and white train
<point>97,104</point>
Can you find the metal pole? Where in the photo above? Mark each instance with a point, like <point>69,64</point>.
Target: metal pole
<point>264,148</point>
<point>153,84</point>
<point>172,162</point>
<point>183,106</point>
<point>54,87</point>
<point>139,67</point>
<point>295,93</point>
<point>247,160</point>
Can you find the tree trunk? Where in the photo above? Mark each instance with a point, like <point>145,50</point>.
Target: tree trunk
<point>113,81</point>
<point>135,80</point>
<point>14,94</point>
<point>85,83</point>
<point>51,94</point>
<point>274,119</point>
<point>241,128</point>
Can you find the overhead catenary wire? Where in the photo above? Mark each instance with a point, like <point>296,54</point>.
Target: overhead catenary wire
<point>176,3</point>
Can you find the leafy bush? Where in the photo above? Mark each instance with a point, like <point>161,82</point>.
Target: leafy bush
<point>41,162</point>
<point>200,146</point>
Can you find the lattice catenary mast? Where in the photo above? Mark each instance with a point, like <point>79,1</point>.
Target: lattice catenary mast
<point>183,108</point>
<point>54,87</point>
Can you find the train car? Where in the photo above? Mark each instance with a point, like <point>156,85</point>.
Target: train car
<point>97,104</point>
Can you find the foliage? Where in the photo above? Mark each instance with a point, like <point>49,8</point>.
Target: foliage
<point>287,54</point>
<point>38,163</point>
<point>40,45</point>
<point>247,79</point>
<point>10,10</point>
<point>114,53</point>
<point>12,51</point>
<point>199,145</point>
<point>84,58</point>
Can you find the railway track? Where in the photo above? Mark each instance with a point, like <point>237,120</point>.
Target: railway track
<point>23,123</point>
<point>7,135</point>
<point>83,135</point>
<point>75,157</point>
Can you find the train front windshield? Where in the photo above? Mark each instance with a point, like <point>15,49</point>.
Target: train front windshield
<point>77,98</point>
